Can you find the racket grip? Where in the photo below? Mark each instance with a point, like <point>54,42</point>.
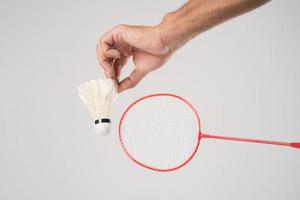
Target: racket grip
<point>295,145</point>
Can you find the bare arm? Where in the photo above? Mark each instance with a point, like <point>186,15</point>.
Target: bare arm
<point>151,46</point>
<point>200,15</point>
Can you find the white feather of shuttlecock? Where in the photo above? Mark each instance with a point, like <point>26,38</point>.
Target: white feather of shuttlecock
<point>98,95</point>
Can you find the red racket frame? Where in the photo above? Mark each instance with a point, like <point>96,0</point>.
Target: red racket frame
<point>153,168</point>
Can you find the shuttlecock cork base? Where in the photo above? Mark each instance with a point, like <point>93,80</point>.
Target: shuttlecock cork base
<point>98,96</point>
<point>102,126</point>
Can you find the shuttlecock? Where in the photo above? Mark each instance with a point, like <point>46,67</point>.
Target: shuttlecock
<point>98,96</point>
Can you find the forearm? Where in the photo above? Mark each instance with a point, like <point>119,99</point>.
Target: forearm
<point>197,16</point>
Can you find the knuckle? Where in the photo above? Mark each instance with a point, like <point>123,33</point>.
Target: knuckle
<point>121,26</point>
<point>131,84</point>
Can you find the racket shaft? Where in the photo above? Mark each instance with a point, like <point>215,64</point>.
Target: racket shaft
<point>294,145</point>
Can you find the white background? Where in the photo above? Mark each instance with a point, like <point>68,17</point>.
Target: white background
<point>243,77</point>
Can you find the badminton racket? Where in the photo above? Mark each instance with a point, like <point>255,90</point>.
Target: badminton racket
<point>162,132</point>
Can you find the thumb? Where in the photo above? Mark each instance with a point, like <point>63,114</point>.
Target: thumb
<point>131,81</point>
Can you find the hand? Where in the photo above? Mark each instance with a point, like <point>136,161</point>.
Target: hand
<point>144,44</point>
<point>151,47</point>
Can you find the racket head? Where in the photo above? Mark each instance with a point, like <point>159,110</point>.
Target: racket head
<point>184,131</point>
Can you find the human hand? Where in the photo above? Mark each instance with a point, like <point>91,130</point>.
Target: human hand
<point>144,44</point>
<point>150,47</point>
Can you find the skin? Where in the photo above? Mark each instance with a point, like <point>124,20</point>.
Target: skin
<point>151,46</point>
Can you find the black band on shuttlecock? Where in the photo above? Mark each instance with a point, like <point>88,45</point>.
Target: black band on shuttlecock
<point>104,120</point>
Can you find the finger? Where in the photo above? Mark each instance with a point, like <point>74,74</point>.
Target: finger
<point>112,53</point>
<point>108,70</point>
<point>131,81</point>
<point>100,55</point>
<point>107,40</point>
<point>107,75</point>
<point>105,63</point>
<point>118,68</point>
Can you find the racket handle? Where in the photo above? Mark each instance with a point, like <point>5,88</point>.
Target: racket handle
<point>288,144</point>
<point>295,145</point>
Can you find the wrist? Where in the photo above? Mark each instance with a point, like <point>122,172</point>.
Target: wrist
<point>166,29</point>
<point>175,30</point>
